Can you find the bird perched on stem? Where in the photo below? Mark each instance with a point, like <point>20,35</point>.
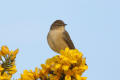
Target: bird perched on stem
<point>58,38</point>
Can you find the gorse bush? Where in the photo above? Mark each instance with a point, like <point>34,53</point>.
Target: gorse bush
<point>69,65</point>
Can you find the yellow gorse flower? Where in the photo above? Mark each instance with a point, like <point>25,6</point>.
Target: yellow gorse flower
<point>7,65</point>
<point>69,65</point>
<point>30,75</point>
<point>4,50</point>
<point>5,76</point>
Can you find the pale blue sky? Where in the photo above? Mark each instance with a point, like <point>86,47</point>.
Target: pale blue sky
<point>94,26</point>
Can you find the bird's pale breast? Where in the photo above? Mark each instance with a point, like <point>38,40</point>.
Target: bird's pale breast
<point>56,41</point>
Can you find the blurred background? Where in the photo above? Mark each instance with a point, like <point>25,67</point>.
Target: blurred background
<point>94,26</point>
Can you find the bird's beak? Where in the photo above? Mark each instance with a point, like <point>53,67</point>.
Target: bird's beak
<point>65,24</point>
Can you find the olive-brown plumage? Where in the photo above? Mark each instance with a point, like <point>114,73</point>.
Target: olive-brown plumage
<point>58,38</point>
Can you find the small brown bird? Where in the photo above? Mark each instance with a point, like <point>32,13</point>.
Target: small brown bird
<point>58,38</point>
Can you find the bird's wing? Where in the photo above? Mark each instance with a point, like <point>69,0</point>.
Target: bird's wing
<point>68,40</point>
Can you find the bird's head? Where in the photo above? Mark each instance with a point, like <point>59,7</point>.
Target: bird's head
<point>57,24</point>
